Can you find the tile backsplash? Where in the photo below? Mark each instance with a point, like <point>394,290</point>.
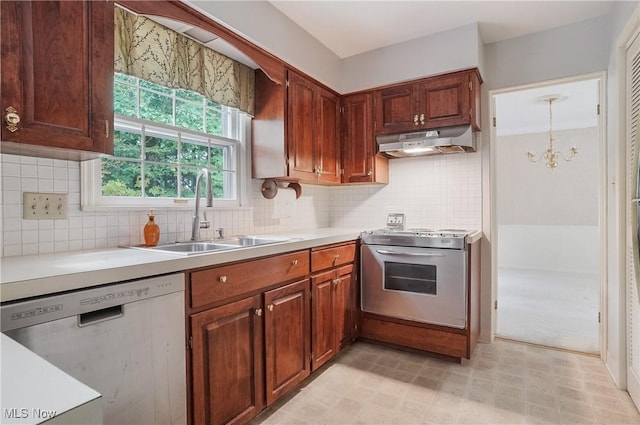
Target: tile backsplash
<point>439,191</point>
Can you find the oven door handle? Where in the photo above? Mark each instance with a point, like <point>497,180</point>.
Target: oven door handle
<point>409,254</point>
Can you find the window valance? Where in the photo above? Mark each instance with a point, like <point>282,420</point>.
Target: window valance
<point>148,50</point>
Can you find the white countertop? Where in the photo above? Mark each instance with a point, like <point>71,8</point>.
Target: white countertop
<point>35,275</point>
<point>34,391</point>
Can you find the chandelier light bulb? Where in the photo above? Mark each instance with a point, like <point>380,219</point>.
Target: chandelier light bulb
<point>550,155</point>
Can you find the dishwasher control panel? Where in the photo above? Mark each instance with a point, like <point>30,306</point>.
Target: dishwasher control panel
<point>31,312</point>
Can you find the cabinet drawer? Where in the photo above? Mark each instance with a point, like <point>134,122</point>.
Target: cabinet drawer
<point>220,283</point>
<point>325,258</point>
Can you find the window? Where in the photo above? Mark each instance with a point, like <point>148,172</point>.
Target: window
<point>162,138</point>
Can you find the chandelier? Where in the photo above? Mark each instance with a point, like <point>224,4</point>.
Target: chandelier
<point>550,155</point>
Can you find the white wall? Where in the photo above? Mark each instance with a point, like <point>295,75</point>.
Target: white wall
<point>532,194</point>
<point>566,248</point>
<point>435,54</point>
<point>570,50</point>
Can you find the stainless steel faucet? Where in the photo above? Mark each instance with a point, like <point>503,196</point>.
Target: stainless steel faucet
<point>196,224</point>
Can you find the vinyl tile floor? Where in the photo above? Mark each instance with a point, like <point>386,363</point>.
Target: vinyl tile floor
<point>503,383</point>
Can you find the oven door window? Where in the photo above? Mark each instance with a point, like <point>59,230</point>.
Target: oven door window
<point>416,278</point>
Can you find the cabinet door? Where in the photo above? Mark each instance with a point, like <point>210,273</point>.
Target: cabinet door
<point>358,142</point>
<point>395,109</point>
<point>328,137</point>
<point>300,128</point>
<point>287,332</point>
<point>57,73</point>
<point>227,361</point>
<point>343,306</point>
<point>323,345</point>
<point>444,101</point>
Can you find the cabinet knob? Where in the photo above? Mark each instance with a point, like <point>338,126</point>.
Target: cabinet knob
<point>415,119</point>
<point>258,312</point>
<point>12,119</point>
<point>270,307</point>
<point>369,173</point>
<point>222,279</point>
<point>336,257</point>
<point>294,262</point>
<point>422,119</point>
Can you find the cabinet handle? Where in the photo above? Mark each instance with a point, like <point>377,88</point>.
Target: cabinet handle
<point>422,119</point>
<point>258,312</point>
<point>336,257</point>
<point>222,279</point>
<point>415,119</point>
<point>270,307</point>
<point>294,262</point>
<point>106,128</point>
<point>336,282</point>
<point>12,119</point>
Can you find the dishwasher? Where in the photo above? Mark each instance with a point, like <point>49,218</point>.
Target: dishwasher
<point>125,340</point>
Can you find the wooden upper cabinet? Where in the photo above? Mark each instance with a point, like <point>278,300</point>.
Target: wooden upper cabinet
<point>441,101</point>
<point>227,363</point>
<point>301,125</point>
<point>444,101</point>
<point>57,75</point>
<point>359,159</point>
<point>396,109</point>
<point>327,154</point>
<point>296,131</point>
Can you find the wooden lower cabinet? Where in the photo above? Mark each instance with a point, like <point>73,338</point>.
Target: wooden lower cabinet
<point>227,363</point>
<point>345,306</point>
<point>332,313</point>
<point>287,333</point>
<point>323,306</point>
<point>253,328</point>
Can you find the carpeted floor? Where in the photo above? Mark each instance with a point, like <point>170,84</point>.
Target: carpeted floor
<point>556,309</point>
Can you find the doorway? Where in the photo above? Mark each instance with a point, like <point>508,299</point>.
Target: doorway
<point>548,214</point>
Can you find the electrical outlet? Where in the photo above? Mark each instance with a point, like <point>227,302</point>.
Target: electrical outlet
<point>38,206</point>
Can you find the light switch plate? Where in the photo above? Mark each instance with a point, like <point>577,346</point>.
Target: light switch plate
<point>38,206</point>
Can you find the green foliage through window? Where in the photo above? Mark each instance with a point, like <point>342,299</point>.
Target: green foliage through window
<point>162,138</point>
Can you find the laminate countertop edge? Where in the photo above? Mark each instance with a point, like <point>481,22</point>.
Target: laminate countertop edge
<point>37,275</point>
<point>35,391</point>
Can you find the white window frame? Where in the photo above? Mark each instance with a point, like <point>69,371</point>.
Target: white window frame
<point>91,171</point>
<point>236,125</point>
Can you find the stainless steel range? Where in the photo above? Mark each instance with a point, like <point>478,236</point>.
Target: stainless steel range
<point>416,274</point>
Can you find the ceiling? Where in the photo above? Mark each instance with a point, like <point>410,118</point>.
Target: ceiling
<point>351,27</point>
<point>523,112</point>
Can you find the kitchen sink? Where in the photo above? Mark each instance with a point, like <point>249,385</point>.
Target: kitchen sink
<point>188,248</point>
<point>203,247</point>
<point>241,241</point>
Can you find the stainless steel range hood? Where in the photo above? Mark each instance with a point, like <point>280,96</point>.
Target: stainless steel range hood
<point>430,142</point>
